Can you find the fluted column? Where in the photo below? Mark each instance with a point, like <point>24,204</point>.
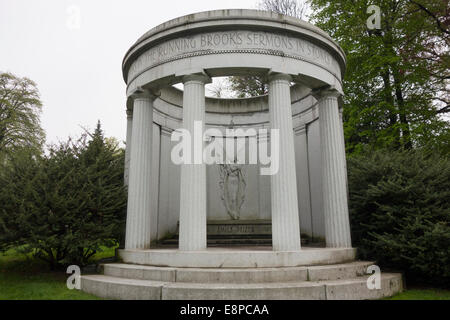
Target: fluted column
<point>192,235</point>
<point>341,129</point>
<point>337,226</point>
<point>139,188</point>
<point>303,185</point>
<point>285,218</point>
<point>128,146</point>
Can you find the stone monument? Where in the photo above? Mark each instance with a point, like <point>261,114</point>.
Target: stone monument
<point>306,196</point>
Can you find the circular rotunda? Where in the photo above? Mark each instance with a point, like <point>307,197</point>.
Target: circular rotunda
<point>196,230</point>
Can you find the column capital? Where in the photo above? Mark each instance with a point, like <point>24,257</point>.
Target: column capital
<point>325,92</point>
<point>197,77</point>
<point>272,76</point>
<point>141,93</point>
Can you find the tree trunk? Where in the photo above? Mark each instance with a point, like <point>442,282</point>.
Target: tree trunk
<point>406,134</point>
<point>390,100</point>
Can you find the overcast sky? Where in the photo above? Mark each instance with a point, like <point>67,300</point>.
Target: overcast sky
<point>77,66</point>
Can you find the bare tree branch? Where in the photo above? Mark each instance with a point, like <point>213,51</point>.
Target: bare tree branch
<point>292,8</point>
<point>432,15</point>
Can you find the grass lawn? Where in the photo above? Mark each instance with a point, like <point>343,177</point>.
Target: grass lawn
<point>25,278</point>
<point>422,294</point>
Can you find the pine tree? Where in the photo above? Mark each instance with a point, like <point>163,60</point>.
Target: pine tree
<point>66,205</point>
<point>399,211</point>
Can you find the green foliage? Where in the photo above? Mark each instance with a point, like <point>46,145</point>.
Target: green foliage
<point>422,294</point>
<point>249,86</point>
<point>23,277</point>
<point>20,109</point>
<point>400,213</point>
<point>64,205</point>
<point>396,82</point>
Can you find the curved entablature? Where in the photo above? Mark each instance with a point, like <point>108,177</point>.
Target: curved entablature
<point>246,112</point>
<point>234,42</point>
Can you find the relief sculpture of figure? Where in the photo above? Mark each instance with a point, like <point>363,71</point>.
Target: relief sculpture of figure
<point>233,185</point>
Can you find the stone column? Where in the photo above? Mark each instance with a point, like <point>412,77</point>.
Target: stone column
<point>285,219</point>
<point>128,146</point>
<point>337,226</point>
<point>303,188</point>
<point>341,123</point>
<point>139,188</point>
<point>192,235</point>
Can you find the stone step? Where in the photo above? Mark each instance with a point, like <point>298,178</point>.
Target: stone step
<point>231,241</point>
<point>108,287</point>
<point>237,257</point>
<point>237,275</point>
<point>228,241</point>
<point>130,289</point>
<point>233,233</point>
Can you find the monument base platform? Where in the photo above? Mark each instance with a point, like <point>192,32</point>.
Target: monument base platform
<point>238,257</point>
<point>227,273</point>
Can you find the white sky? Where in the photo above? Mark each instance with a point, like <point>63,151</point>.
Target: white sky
<point>78,70</point>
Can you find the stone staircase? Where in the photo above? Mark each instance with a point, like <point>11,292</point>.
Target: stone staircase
<point>234,233</point>
<point>317,282</point>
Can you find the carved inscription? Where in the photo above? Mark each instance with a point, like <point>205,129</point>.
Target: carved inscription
<point>232,40</point>
<point>235,229</point>
<point>223,229</point>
